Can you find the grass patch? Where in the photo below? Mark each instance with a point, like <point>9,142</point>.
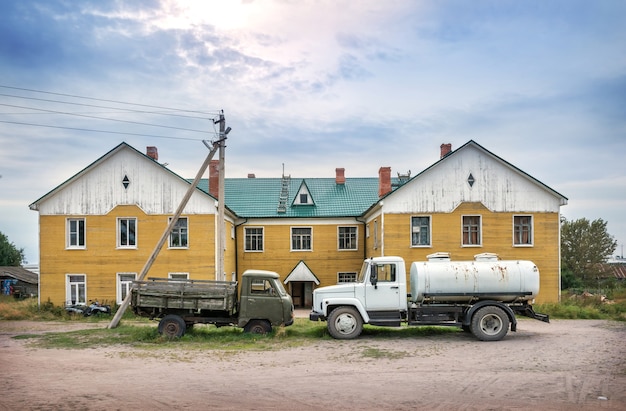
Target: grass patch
<point>377,353</point>
<point>573,306</point>
<point>142,334</point>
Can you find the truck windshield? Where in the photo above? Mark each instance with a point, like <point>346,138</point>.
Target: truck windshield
<point>364,272</point>
<point>279,286</point>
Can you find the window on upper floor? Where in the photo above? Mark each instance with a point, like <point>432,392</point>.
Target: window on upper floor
<point>347,238</point>
<point>522,230</point>
<point>301,238</point>
<point>75,233</point>
<point>420,231</point>
<point>76,289</point>
<point>254,238</point>
<point>348,277</point>
<point>127,232</point>
<point>471,230</point>
<point>179,238</point>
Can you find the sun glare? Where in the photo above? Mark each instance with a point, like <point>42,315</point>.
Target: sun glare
<point>222,14</point>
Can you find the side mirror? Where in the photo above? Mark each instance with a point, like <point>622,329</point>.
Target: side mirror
<point>373,274</point>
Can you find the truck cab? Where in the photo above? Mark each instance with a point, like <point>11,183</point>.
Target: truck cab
<point>263,302</point>
<point>378,297</point>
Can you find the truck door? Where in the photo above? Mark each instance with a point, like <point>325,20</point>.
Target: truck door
<point>264,301</point>
<point>385,295</point>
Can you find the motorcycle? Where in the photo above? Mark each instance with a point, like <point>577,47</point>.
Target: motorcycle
<point>94,308</point>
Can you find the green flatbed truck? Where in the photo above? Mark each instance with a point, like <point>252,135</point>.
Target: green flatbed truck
<point>179,304</point>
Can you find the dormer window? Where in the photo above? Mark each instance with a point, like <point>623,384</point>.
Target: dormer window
<point>303,197</point>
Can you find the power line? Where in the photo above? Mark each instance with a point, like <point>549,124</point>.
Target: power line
<point>170,111</point>
<point>103,118</point>
<point>99,131</point>
<point>119,109</point>
<point>215,113</point>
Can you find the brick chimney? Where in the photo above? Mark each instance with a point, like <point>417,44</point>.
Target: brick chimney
<point>152,152</point>
<point>445,149</point>
<point>384,181</point>
<point>214,178</point>
<point>340,177</point>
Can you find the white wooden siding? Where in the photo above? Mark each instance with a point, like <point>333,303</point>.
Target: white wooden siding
<point>497,186</point>
<point>100,189</point>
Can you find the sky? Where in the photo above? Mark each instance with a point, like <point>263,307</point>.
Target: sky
<point>311,85</point>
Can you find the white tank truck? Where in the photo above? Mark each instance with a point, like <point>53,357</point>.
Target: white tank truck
<point>481,296</point>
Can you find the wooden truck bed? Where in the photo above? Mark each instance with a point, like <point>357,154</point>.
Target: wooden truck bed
<point>169,294</point>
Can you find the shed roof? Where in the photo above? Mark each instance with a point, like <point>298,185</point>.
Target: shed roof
<point>19,273</point>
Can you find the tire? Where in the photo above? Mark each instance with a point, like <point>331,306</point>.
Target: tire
<point>172,326</point>
<point>490,323</point>
<point>258,327</point>
<point>345,323</point>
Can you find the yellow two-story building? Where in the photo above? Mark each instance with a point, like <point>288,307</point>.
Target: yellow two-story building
<point>99,227</point>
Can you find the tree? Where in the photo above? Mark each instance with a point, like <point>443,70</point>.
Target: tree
<point>10,255</point>
<point>584,246</point>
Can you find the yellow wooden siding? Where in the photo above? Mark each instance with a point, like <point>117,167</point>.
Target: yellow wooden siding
<point>325,260</point>
<point>497,237</point>
<point>100,261</point>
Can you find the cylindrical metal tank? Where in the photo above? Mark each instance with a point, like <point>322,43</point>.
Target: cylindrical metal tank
<point>462,281</point>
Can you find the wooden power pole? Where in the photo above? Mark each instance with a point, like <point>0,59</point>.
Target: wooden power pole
<point>220,272</point>
<point>122,309</point>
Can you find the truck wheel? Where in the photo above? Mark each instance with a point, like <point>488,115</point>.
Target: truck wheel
<point>490,323</point>
<point>345,323</point>
<point>258,327</point>
<point>172,326</point>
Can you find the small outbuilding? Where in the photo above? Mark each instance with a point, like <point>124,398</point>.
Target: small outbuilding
<point>19,282</point>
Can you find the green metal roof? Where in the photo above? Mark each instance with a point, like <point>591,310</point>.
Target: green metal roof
<point>259,197</point>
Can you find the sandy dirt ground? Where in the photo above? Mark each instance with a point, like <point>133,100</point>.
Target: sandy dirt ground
<point>564,365</point>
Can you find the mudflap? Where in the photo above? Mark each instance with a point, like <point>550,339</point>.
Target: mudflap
<point>529,312</point>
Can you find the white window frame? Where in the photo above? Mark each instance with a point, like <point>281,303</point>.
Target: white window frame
<point>480,231</point>
<point>531,233</point>
<point>346,274</point>
<point>186,246</point>
<point>119,232</point>
<point>351,240</point>
<point>430,231</point>
<point>74,286</point>
<point>245,239</point>
<point>291,234</point>
<point>123,286</point>
<point>69,233</point>
<point>178,276</point>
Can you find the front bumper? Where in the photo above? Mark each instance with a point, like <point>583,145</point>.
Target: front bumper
<point>315,316</point>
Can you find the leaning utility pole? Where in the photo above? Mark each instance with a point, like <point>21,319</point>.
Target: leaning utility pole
<point>220,273</point>
<point>216,144</point>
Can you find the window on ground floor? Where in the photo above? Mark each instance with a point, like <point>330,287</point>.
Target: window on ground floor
<point>76,289</point>
<point>346,277</point>
<point>124,284</point>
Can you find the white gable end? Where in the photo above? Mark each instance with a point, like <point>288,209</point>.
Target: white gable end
<point>100,188</point>
<point>497,185</point>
